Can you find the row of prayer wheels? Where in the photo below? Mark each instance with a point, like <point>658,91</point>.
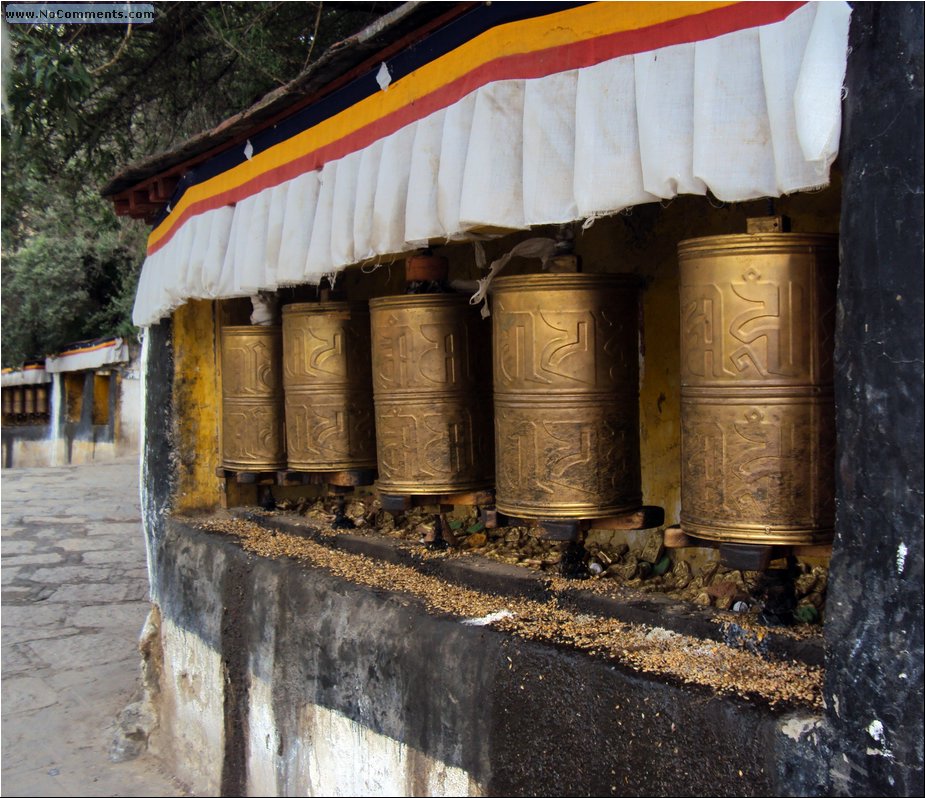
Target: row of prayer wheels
<point>409,386</point>
<point>27,400</point>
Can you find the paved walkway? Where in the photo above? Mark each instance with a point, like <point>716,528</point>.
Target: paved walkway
<point>74,601</point>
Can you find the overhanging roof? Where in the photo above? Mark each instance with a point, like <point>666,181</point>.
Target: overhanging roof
<point>30,374</point>
<point>507,116</point>
<point>93,354</point>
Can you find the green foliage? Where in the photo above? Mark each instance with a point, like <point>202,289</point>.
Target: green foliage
<point>63,288</point>
<point>82,101</point>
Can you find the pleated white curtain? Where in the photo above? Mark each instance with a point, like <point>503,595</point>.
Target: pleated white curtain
<point>15,379</point>
<point>755,113</point>
<point>94,358</point>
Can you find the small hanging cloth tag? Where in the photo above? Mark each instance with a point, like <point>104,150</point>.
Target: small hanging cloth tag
<point>542,248</point>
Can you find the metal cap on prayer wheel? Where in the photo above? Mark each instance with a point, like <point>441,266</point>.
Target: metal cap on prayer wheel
<point>253,436</point>
<point>432,390</point>
<point>566,377</point>
<point>327,384</point>
<point>426,267</point>
<point>757,410</point>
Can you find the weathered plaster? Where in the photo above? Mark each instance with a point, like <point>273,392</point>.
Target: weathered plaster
<point>190,706</point>
<point>158,456</point>
<point>27,448</point>
<point>128,414</point>
<point>333,755</point>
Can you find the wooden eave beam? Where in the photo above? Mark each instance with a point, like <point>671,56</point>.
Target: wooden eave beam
<point>161,189</point>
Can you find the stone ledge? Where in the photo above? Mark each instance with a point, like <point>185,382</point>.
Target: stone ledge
<point>481,573</point>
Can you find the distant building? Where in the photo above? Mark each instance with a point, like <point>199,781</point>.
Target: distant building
<point>77,406</point>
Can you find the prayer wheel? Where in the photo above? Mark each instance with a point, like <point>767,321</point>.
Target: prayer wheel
<point>7,401</point>
<point>757,409</point>
<point>328,389</point>
<point>566,377</point>
<point>41,400</point>
<point>29,400</point>
<point>253,437</point>
<point>18,401</point>
<point>432,392</point>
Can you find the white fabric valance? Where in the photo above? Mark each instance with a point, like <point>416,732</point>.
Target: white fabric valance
<point>749,114</point>
<point>93,356</point>
<point>29,376</point>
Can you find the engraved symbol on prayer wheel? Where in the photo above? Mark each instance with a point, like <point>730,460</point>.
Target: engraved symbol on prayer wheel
<point>432,390</point>
<point>757,408</point>
<point>566,376</point>
<point>252,399</point>
<point>326,377</point>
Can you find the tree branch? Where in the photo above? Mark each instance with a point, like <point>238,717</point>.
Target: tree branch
<point>119,51</point>
<point>308,58</point>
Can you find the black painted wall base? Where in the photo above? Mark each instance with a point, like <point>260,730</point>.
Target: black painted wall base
<point>518,716</point>
<point>874,626</point>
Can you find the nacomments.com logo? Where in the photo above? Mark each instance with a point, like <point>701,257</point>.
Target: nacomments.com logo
<point>78,13</point>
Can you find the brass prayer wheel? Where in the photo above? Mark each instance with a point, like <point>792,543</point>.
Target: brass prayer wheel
<point>17,400</point>
<point>41,400</point>
<point>566,377</point>
<point>29,400</point>
<point>757,408</point>
<point>7,401</point>
<point>328,388</point>
<point>432,389</point>
<point>253,437</point>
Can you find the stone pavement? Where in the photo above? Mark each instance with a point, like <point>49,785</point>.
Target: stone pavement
<point>74,601</point>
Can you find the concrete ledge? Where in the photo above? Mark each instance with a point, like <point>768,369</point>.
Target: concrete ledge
<point>482,573</point>
<point>275,677</point>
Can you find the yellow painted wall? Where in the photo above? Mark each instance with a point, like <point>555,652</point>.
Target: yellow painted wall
<point>101,387</point>
<point>197,406</point>
<point>73,395</point>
